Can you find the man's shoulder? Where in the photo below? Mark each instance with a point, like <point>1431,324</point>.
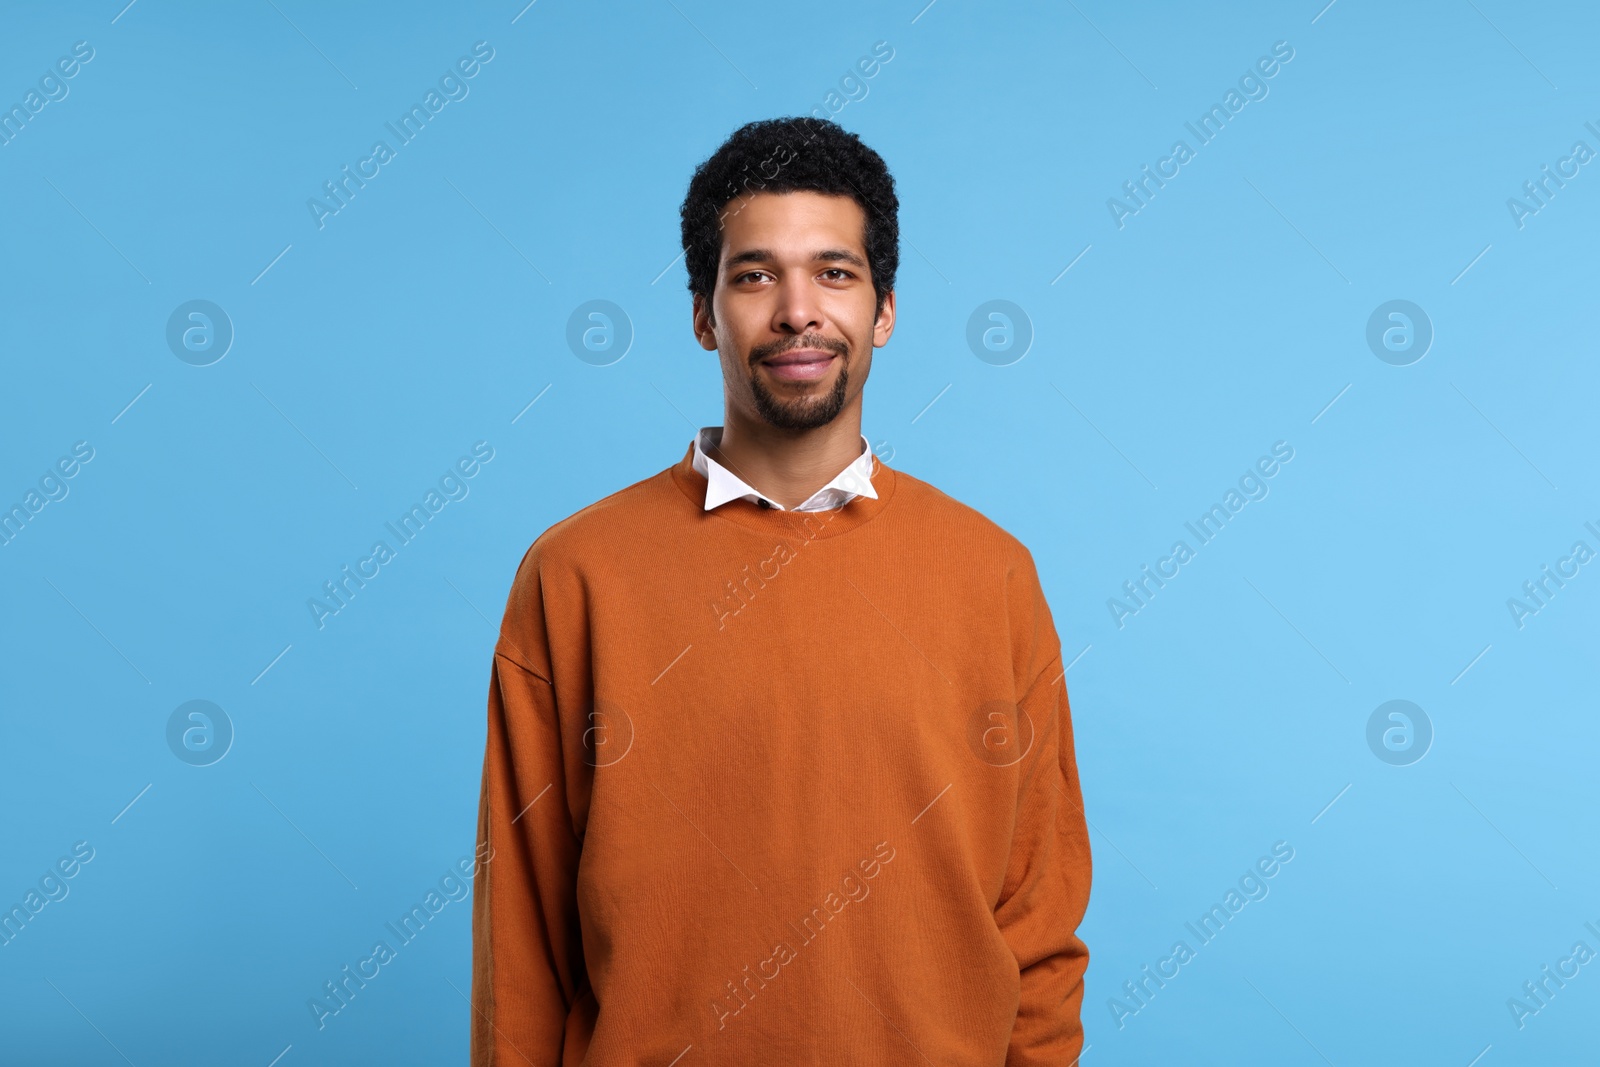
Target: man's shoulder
<point>972,543</point>
<point>598,527</point>
<point>554,565</point>
<point>943,516</point>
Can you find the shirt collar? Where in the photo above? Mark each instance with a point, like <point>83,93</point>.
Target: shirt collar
<point>722,485</point>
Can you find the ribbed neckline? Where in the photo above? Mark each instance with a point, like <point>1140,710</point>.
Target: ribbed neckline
<point>807,524</point>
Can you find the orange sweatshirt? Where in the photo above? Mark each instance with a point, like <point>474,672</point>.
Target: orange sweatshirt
<point>767,787</point>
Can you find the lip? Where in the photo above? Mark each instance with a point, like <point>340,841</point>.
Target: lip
<point>800,355</point>
<point>801,364</point>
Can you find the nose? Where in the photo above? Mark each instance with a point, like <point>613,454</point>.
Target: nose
<point>797,311</point>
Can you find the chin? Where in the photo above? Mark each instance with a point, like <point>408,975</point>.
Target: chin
<point>806,413</point>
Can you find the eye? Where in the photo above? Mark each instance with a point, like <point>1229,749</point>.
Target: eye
<point>747,274</point>
<point>839,271</point>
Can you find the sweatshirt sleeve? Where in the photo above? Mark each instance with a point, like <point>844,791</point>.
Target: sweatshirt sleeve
<point>1047,885</point>
<point>527,953</point>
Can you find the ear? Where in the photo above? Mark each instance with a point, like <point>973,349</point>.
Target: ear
<point>704,324</point>
<point>883,327</point>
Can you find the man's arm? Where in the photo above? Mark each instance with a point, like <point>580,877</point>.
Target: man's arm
<point>1047,885</point>
<point>527,952</point>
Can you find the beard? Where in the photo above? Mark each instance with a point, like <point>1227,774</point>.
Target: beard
<point>801,413</point>
<point>806,412</point>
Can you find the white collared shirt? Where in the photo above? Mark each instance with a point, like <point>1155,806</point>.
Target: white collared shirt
<point>722,485</point>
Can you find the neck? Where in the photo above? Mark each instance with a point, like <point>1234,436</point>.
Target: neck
<point>788,465</point>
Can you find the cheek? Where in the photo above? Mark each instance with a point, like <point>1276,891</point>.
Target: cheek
<point>860,362</point>
<point>849,316</point>
<point>721,326</point>
<point>741,317</point>
<point>865,326</point>
<point>734,355</point>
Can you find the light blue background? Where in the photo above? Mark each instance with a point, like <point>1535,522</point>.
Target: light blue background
<point>428,313</point>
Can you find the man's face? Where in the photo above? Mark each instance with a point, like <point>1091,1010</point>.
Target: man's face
<point>793,313</point>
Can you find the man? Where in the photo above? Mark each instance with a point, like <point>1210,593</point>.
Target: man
<point>779,765</point>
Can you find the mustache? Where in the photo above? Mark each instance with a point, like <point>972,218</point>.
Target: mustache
<point>777,348</point>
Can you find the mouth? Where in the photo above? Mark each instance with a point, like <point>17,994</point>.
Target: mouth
<point>801,364</point>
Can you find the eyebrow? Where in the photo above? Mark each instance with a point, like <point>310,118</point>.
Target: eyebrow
<point>765,255</point>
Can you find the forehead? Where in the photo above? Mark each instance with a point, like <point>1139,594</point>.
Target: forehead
<point>793,224</point>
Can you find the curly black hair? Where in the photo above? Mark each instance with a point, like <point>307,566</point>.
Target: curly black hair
<point>783,155</point>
